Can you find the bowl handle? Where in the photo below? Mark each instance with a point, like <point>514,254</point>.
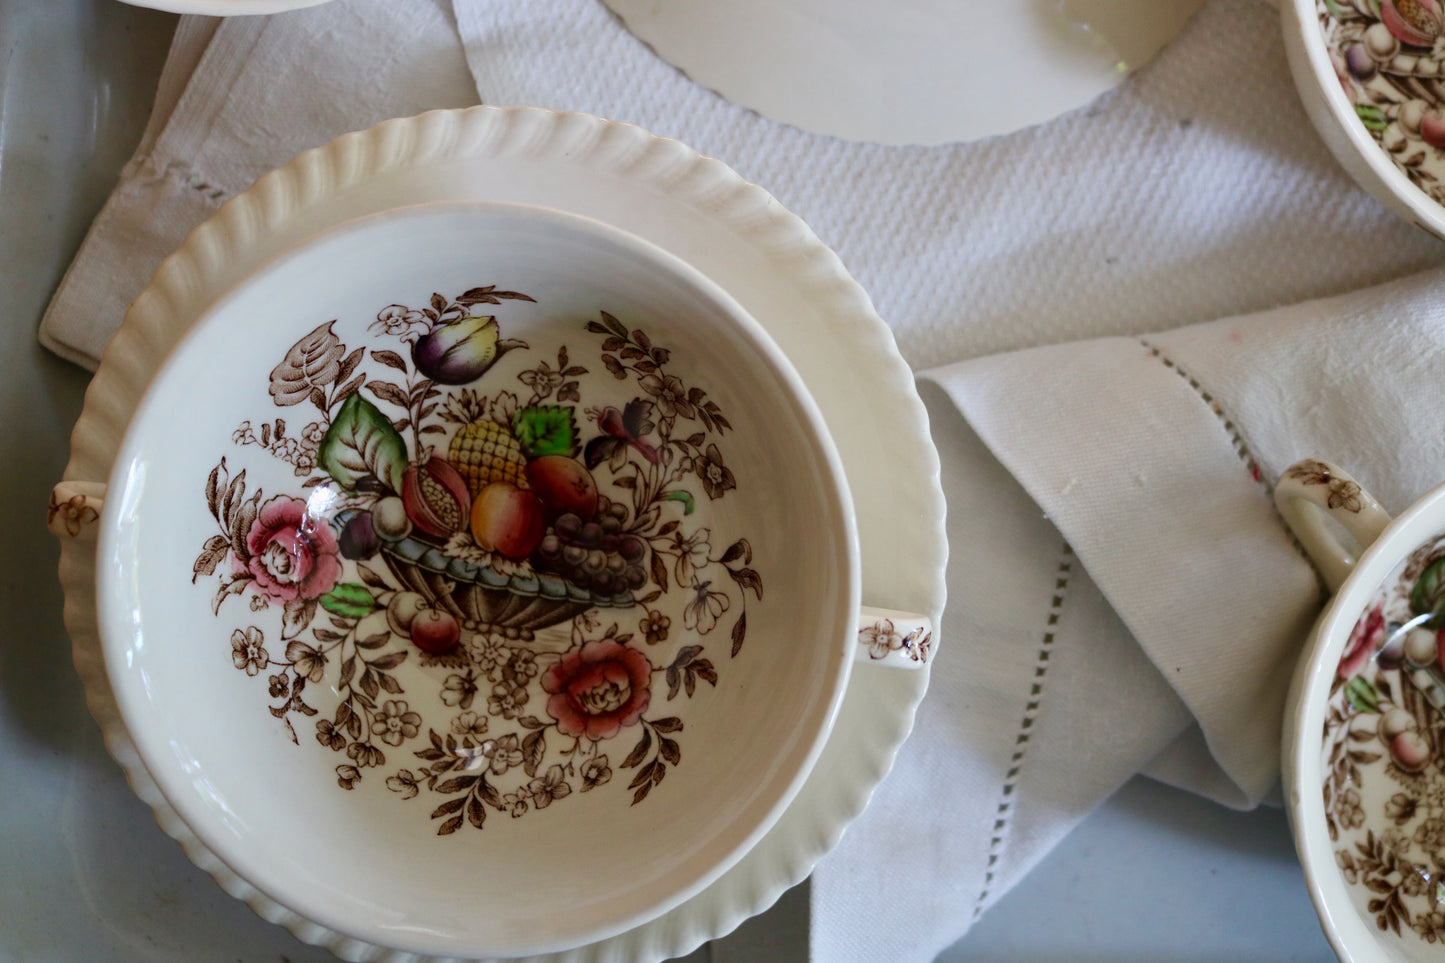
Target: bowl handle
<point>75,509</point>
<point>892,638</point>
<point>1311,491</point>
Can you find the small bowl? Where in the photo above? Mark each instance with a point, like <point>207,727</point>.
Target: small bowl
<point>1373,83</point>
<point>1364,739</point>
<point>478,580</point>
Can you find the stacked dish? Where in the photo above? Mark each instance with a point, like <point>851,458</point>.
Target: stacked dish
<point>488,566</point>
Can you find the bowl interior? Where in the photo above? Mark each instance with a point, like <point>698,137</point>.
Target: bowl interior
<point>1365,764</point>
<point>471,730</point>
<point>1379,77</point>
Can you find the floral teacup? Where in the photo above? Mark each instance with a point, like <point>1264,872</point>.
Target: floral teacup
<point>1369,74</point>
<point>1364,742</point>
<point>479,580</point>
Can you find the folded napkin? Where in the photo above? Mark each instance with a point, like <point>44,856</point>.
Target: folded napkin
<point>1122,594</point>
<point>1122,598</point>
<point>237,98</point>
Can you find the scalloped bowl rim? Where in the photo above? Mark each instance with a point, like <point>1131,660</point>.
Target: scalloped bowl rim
<point>133,687</point>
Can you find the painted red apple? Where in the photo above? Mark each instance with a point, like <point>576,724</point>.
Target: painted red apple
<point>508,520</point>
<point>1410,751</point>
<point>564,485</point>
<point>435,631</point>
<point>1432,129</point>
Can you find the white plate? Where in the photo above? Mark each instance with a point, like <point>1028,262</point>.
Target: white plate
<point>700,210</point>
<point>226,8</point>
<point>909,72</point>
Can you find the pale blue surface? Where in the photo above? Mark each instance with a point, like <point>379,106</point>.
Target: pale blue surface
<point>1158,874</point>
<point>1154,875</point>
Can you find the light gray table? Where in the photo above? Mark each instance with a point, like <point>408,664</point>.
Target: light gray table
<point>88,876</point>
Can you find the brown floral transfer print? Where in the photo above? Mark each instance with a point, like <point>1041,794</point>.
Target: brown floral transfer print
<point>442,517</point>
<point>1384,786</point>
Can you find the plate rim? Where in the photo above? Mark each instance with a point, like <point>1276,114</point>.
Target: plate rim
<point>590,145</point>
<point>817,28</point>
<point>226,8</point>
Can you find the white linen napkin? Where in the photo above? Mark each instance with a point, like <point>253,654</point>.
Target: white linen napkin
<point>1197,190</point>
<point>239,97</point>
<point>1123,595</point>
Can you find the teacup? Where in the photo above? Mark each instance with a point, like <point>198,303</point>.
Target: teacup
<point>1368,74</point>
<point>1364,740</point>
<point>479,580</point>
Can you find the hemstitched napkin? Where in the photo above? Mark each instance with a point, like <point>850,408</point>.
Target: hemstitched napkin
<point>1153,460</point>
<point>237,98</point>
<point>1129,599</point>
<point>1078,648</point>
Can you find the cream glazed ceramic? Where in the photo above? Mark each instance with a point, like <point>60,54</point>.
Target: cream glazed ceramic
<point>1370,73</point>
<point>1364,742</point>
<point>695,207</point>
<point>909,71</point>
<point>226,8</point>
<point>486,548</point>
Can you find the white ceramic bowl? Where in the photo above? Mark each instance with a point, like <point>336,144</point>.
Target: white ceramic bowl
<point>692,206</point>
<point>1369,79</point>
<point>487,780</point>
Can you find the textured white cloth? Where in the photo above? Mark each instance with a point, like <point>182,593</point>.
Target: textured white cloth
<point>1164,635</point>
<point>237,98</point>
<point>1195,191</point>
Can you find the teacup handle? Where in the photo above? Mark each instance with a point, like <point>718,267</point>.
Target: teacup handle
<point>74,510</point>
<point>1312,490</point>
<point>888,637</point>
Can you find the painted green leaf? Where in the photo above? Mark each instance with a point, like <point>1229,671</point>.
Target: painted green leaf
<point>1428,595</point>
<point>546,430</point>
<point>689,504</point>
<point>1362,694</point>
<point>350,600</point>
<point>1372,117</point>
<point>361,441</point>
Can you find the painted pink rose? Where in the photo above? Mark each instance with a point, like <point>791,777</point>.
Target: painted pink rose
<point>1365,641</point>
<point>599,690</point>
<point>292,554</point>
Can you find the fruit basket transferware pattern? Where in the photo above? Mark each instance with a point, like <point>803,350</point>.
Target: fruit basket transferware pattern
<point>1383,749</point>
<point>449,513</point>
<point>1389,58</point>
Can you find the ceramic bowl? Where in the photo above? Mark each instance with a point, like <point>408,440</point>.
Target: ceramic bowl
<point>1371,74</point>
<point>479,580</point>
<point>697,209</point>
<point>1364,741</point>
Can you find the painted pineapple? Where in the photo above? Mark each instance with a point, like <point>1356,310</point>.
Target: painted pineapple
<point>485,452</point>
